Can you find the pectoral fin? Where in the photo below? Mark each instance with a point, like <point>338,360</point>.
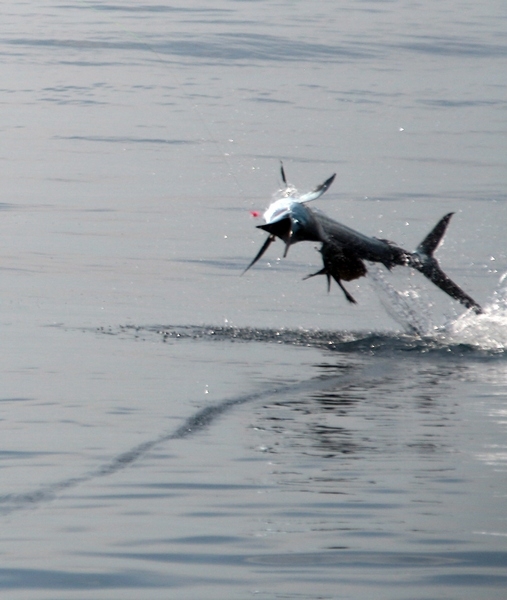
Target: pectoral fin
<point>318,191</point>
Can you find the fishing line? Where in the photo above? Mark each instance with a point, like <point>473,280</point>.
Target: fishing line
<point>214,140</point>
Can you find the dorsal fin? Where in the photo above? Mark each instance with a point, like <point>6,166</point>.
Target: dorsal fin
<point>282,172</point>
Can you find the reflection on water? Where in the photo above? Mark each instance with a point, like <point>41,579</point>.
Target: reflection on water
<point>359,471</point>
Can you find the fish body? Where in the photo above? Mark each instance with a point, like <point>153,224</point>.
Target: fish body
<point>344,250</point>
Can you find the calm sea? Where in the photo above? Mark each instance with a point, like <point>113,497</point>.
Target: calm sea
<point>171,429</point>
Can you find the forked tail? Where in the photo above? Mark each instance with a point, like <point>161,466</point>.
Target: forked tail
<point>422,260</point>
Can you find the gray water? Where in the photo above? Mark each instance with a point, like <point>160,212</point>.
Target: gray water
<point>173,430</point>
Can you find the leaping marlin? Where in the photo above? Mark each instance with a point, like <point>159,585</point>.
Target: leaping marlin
<point>344,250</point>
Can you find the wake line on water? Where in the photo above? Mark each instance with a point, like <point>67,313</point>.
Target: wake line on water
<point>469,332</point>
<point>197,422</point>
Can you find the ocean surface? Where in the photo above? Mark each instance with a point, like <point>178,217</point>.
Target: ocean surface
<point>172,429</point>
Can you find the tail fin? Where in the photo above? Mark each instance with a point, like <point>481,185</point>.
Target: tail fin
<point>422,260</point>
<point>434,237</point>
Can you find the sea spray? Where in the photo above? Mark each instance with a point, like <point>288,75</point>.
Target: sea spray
<point>408,308</point>
<point>488,330</point>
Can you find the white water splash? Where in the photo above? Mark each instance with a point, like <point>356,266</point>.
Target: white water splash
<point>408,308</point>
<point>488,330</point>
<point>412,310</point>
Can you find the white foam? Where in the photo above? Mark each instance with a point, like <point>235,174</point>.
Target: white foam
<point>488,330</point>
<point>412,310</point>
